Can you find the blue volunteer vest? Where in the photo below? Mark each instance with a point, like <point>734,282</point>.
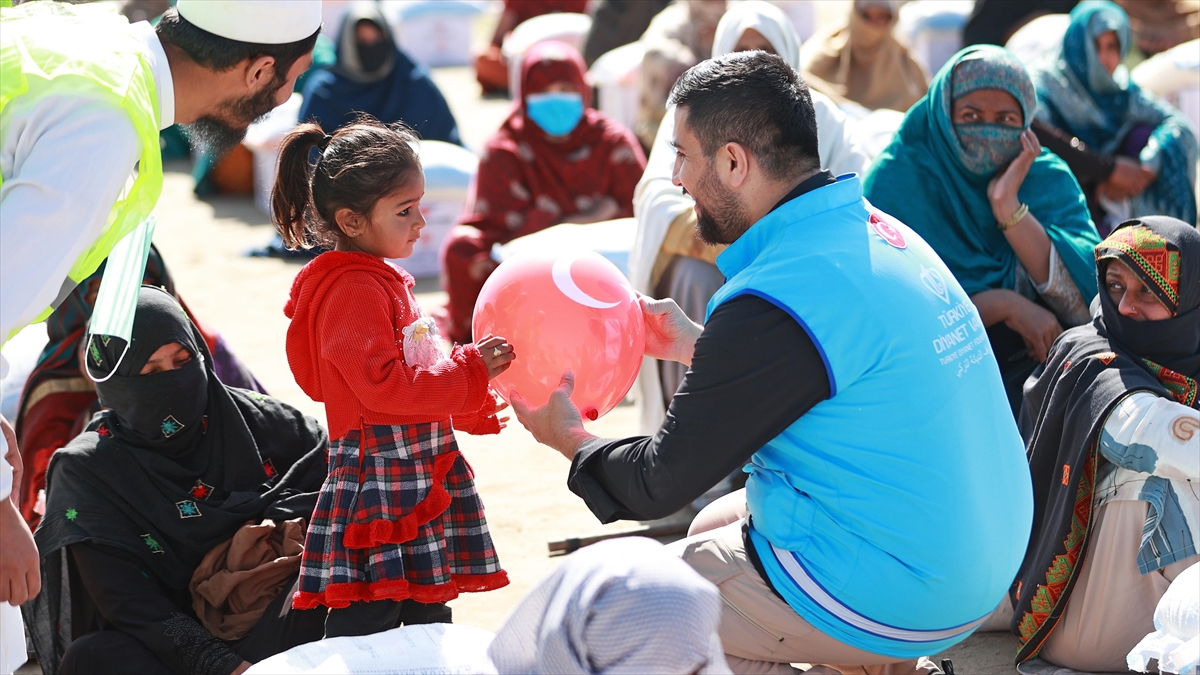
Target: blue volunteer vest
<point>892,516</point>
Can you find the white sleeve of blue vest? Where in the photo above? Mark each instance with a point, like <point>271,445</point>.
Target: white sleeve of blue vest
<point>6,470</point>
<point>65,159</point>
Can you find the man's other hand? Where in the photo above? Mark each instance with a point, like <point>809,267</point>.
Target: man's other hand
<point>670,334</point>
<point>556,424</point>
<point>20,576</point>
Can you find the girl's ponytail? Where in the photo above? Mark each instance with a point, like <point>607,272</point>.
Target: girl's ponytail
<point>291,198</point>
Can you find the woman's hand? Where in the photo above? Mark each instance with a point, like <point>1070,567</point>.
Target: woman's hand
<point>605,208</point>
<point>670,334</point>
<point>1128,179</point>
<point>481,268</point>
<point>1003,188</point>
<point>497,355</point>
<point>1037,325</point>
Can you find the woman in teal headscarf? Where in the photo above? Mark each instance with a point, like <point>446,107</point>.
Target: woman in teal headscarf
<point>1138,154</point>
<point>1006,216</point>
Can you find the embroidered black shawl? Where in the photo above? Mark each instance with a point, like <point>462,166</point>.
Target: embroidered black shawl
<point>1090,369</point>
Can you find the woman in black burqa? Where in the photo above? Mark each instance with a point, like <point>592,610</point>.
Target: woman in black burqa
<point>174,467</point>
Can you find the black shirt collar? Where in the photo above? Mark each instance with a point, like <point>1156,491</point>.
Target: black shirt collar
<point>818,180</point>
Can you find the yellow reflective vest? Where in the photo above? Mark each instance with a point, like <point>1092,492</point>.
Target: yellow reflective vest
<point>51,47</point>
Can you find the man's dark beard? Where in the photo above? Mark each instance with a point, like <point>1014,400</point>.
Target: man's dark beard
<point>215,136</point>
<point>723,219</point>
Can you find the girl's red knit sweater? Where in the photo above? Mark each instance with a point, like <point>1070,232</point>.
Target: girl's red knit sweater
<point>345,348</point>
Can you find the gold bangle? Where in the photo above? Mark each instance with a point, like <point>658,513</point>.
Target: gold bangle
<point>1016,217</point>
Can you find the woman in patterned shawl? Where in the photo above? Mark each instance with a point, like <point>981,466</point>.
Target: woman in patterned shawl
<point>1144,148</point>
<point>1111,422</point>
<point>555,160</point>
<point>1006,215</point>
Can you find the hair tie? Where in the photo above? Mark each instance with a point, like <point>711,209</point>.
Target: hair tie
<point>325,142</point>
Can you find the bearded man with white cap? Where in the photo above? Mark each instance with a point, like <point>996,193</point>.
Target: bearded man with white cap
<point>83,96</point>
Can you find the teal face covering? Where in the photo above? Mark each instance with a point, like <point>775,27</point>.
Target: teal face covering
<point>556,112</point>
<point>986,148</point>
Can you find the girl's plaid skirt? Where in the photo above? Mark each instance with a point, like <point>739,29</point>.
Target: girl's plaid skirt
<point>397,518</point>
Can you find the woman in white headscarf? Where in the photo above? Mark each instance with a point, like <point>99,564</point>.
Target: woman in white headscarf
<point>667,259</point>
<point>621,606</point>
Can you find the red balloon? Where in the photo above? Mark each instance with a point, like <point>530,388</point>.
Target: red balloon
<point>570,311</point>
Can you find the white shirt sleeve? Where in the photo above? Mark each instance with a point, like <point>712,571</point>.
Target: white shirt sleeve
<point>65,159</point>
<point>1154,435</point>
<point>1061,293</point>
<point>6,472</point>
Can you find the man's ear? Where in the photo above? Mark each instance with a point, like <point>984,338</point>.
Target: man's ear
<point>260,72</point>
<point>733,164</point>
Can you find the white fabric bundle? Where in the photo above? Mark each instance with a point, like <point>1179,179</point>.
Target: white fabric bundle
<point>618,607</point>
<point>433,649</point>
<point>1176,643</point>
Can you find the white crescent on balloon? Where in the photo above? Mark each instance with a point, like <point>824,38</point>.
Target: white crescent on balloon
<point>561,273</point>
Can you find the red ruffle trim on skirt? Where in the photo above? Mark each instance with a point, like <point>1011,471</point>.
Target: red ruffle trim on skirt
<point>376,532</point>
<point>338,596</point>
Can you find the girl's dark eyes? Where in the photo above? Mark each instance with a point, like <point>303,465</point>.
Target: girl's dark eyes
<point>404,213</point>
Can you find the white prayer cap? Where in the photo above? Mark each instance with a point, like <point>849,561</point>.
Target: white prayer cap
<point>272,22</point>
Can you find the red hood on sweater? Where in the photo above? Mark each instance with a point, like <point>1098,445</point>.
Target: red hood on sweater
<point>307,296</point>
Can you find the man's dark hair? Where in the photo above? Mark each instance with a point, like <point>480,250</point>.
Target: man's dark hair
<point>756,100</point>
<point>220,54</point>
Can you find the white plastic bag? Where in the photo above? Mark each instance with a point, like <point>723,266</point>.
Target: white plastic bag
<point>1176,643</point>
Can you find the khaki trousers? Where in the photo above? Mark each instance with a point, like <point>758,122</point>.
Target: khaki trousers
<point>761,633</point>
<point>1112,606</point>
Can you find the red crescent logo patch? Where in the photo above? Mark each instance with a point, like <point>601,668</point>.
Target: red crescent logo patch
<point>887,231</point>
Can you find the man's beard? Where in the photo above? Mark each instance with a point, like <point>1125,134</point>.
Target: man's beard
<point>214,136</point>
<point>723,218</point>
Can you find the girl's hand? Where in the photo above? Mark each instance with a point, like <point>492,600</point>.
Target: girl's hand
<point>1002,189</point>
<point>497,355</point>
<point>502,405</point>
<point>1037,325</point>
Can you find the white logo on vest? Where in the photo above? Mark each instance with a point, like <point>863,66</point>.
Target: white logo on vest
<point>933,281</point>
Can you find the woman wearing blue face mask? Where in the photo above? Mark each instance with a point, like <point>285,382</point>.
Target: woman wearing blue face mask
<point>1006,216</point>
<point>554,160</point>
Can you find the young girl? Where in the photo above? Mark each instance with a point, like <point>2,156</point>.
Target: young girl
<point>398,528</point>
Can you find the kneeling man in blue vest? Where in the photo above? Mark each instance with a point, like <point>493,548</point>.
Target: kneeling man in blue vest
<point>888,503</point>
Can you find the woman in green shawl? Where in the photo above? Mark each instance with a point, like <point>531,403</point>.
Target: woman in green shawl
<point>1006,215</point>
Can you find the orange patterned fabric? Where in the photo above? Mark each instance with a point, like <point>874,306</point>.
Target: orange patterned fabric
<point>1049,598</point>
<point>1151,257</point>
